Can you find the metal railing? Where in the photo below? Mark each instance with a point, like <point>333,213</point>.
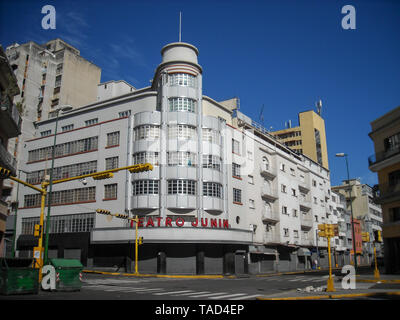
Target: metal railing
<point>7,159</point>
<point>380,156</point>
<point>386,191</point>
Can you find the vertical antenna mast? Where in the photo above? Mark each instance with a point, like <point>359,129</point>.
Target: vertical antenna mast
<point>180,26</point>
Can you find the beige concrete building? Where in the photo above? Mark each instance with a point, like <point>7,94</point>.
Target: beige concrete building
<point>386,162</point>
<point>308,138</point>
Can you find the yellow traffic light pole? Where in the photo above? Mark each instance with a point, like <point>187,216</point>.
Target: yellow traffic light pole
<point>330,287</point>
<point>328,231</point>
<point>38,251</point>
<point>136,219</point>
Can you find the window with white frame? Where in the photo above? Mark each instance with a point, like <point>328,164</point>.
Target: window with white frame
<point>142,187</point>
<point>110,191</point>
<point>251,204</point>
<point>45,133</point>
<point>124,114</point>
<point>236,170</point>
<point>212,189</point>
<point>251,179</point>
<point>113,139</point>
<point>284,210</point>
<point>182,104</point>
<point>182,132</point>
<point>237,195</point>
<point>146,157</point>
<point>235,146</point>
<point>182,158</point>
<point>182,79</point>
<point>211,162</point>
<point>150,132</point>
<point>282,167</point>
<point>296,234</point>
<point>294,212</point>
<point>111,163</point>
<point>182,186</point>
<point>294,194</point>
<point>283,188</point>
<point>210,135</point>
<point>68,127</point>
<point>91,122</point>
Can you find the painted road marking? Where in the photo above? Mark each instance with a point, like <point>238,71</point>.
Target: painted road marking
<point>172,292</point>
<point>228,296</point>
<point>207,295</point>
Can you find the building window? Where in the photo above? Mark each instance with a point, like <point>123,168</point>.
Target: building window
<point>211,135</point>
<point>110,191</point>
<point>182,132</point>
<point>182,79</point>
<point>236,170</point>
<point>294,212</point>
<point>296,234</point>
<point>182,187</point>
<point>212,189</point>
<point>113,139</point>
<point>392,142</point>
<point>294,192</point>
<point>70,196</point>
<point>111,163</point>
<point>286,232</point>
<point>235,146</point>
<point>251,179</point>
<point>150,132</point>
<point>181,158</point>
<point>64,149</point>
<point>63,172</point>
<point>45,133</point>
<point>141,187</point>
<point>124,114</point>
<point>67,128</point>
<point>146,157</point>
<point>251,204</point>
<point>211,162</point>
<point>284,210</point>
<point>91,122</point>
<point>283,188</point>
<point>282,167</point>
<point>237,195</point>
<point>182,104</point>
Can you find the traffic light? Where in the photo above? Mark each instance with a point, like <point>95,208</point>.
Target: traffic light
<point>37,230</point>
<point>140,240</point>
<point>141,168</point>
<point>322,230</point>
<point>103,176</point>
<point>377,236</point>
<point>4,173</point>
<point>365,236</point>
<point>121,216</point>
<point>103,211</point>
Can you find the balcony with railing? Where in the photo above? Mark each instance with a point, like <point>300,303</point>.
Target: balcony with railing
<point>268,171</point>
<point>386,192</point>
<point>306,220</point>
<point>270,216</point>
<point>383,155</point>
<point>10,120</point>
<point>268,193</point>
<point>7,160</point>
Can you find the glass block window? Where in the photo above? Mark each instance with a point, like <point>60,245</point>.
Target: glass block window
<point>182,187</point>
<point>212,189</point>
<point>182,104</point>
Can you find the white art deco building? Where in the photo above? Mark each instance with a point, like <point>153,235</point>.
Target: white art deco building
<point>224,195</point>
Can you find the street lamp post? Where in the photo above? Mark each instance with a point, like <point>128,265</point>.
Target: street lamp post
<point>49,194</point>
<point>351,208</point>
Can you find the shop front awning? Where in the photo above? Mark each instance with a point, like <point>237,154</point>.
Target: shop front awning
<point>261,250</point>
<point>303,252</point>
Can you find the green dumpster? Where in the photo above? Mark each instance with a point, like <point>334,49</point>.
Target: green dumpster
<point>68,274</point>
<point>17,276</point>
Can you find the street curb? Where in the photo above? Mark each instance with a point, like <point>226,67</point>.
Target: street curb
<point>158,275</point>
<point>334,296</point>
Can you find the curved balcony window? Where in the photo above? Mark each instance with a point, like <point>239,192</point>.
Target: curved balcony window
<point>151,132</point>
<point>182,187</point>
<point>211,162</point>
<point>182,132</point>
<point>142,187</point>
<point>182,79</point>
<point>211,135</point>
<point>182,158</point>
<point>212,189</point>
<point>182,104</point>
<point>146,157</point>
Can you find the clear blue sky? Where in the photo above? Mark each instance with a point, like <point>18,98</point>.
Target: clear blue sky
<point>283,54</point>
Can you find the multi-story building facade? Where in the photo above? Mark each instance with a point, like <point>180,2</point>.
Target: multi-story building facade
<point>10,126</point>
<point>225,196</point>
<point>308,138</point>
<point>49,75</point>
<point>365,210</point>
<point>386,162</point>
